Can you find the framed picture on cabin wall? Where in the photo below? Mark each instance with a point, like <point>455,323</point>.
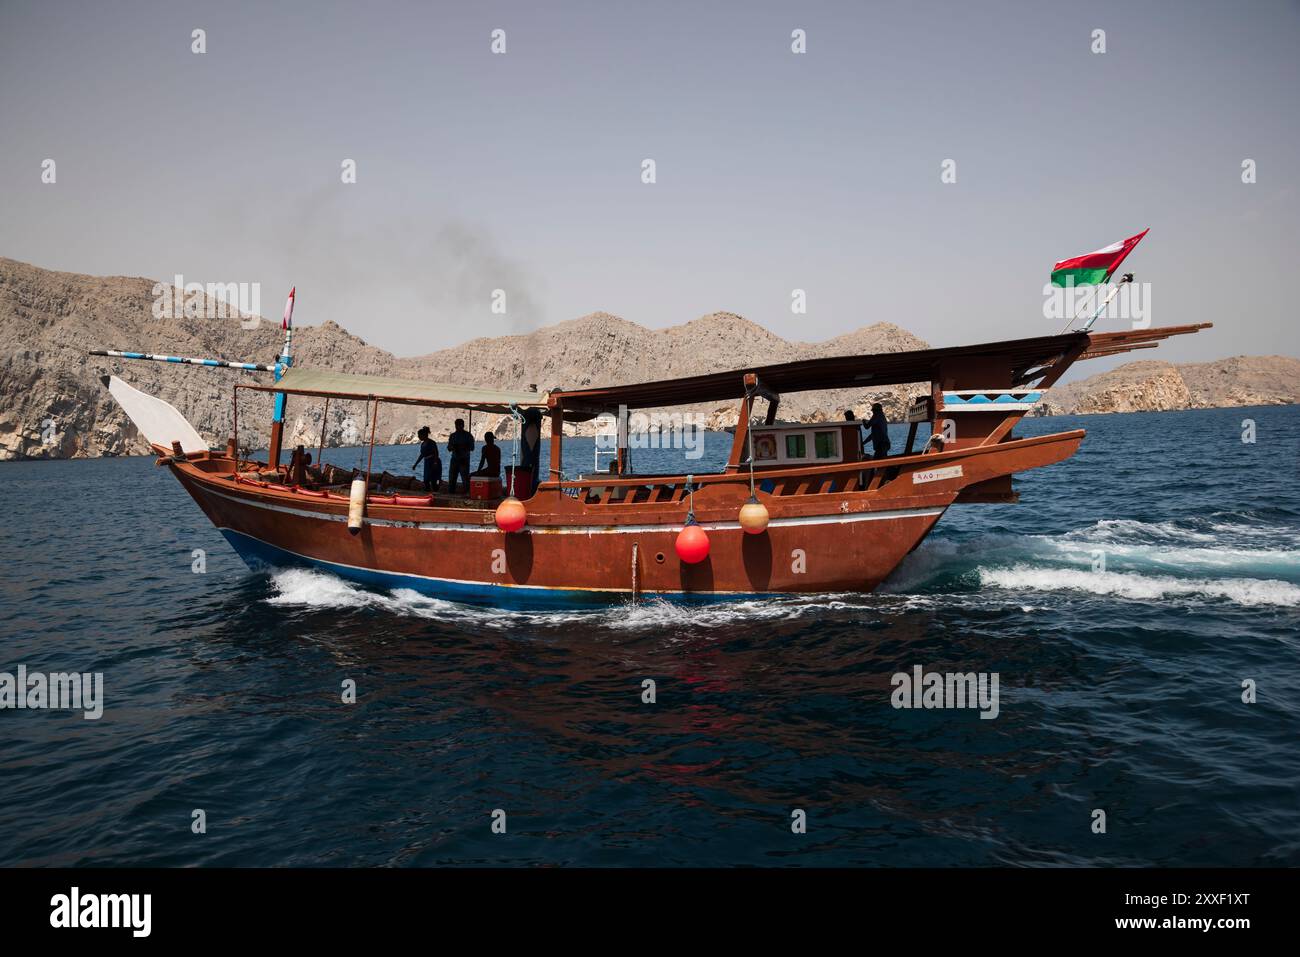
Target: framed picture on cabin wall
<point>765,448</point>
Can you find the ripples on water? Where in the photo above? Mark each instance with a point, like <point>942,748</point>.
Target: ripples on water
<point>1119,689</point>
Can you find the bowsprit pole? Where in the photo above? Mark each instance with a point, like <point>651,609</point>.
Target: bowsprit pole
<point>186,360</point>
<point>285,360</point>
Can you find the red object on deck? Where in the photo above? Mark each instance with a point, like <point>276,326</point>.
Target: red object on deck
<point>483,487</point>
<point>418,500</point>
<point>523,484</point>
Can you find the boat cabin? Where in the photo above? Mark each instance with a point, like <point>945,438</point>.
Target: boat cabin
<point>783,444</point>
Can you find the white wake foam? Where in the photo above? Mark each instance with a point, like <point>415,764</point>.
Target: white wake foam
<point>316,589</point>
<point>1242,591</point>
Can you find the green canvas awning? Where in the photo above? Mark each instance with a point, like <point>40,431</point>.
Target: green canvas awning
<point>341,385</point>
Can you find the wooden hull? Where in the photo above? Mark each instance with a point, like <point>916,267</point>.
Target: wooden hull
<point>834,531</point>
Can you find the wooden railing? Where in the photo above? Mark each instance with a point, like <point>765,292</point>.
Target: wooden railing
<point>833,478</point>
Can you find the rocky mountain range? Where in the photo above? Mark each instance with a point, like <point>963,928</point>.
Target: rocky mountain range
<point>52,404</point>
<point>1154,386</point>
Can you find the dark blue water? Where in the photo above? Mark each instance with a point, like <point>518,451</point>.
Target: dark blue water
<point>1120,690</point>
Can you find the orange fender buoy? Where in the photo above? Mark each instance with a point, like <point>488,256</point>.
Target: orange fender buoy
<point>511,515</point>
<point>753,517</point>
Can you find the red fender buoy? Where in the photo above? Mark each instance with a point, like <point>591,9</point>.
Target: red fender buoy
<point>511,515</point>
<point>692,543</point>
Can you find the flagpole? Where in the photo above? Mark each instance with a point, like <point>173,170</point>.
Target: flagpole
<point>1082,306</point>
<point>1128,277</point>
<point>285,360</point>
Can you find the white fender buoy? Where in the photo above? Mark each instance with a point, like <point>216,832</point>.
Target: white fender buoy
<point>356,505</point>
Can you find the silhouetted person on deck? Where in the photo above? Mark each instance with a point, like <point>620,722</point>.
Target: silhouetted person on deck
<point>878,429</point>
<point>461,446</point>
<point>489,463</point>
<point>432,463</point>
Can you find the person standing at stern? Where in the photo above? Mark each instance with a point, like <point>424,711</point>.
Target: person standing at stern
<point>878,429</point>
<point>432,462</point>
<point>461,446</point>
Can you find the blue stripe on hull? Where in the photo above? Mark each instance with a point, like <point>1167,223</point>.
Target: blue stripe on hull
<point>259,555</point>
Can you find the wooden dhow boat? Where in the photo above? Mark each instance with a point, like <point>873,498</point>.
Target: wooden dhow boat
<point>797,507</point>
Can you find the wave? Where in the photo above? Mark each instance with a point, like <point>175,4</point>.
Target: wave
<point>308,588</point>
<point>1213,544</point>
<point>1221,529</point>
<point>1225,556</point>
<point>1241,591</point>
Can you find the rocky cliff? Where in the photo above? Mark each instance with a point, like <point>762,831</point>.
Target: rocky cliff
<point>52,404</point>
<point>1148,386</point>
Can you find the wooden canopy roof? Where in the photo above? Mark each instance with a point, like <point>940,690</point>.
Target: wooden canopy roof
<point>323,383</point>
<point>846,372</point>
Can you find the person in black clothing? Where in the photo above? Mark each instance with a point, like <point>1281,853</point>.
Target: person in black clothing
<point>461,446</point>
<point>878,428</point>
<point>489,463</point>
<point>432,463</point>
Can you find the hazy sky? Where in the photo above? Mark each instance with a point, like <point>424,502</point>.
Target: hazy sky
<point>775,171</point>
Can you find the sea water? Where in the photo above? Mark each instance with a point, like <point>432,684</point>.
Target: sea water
<point>1140,608</point>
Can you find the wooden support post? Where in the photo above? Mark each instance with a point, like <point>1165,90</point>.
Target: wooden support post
<point>557,441</point>
<point>277,437</point>
<point>298,466</point>
<point>374,420</point>
<point>741,439</point>
<point>324,423</point>
<point>235,411</point>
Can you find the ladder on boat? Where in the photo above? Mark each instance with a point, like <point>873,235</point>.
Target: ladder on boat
<point>610,455</point>
<point>607,438</point>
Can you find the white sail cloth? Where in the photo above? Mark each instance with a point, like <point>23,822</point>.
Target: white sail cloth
<point>158,421</point>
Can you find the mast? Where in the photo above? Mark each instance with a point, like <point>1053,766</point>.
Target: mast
<point>285,360</point>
